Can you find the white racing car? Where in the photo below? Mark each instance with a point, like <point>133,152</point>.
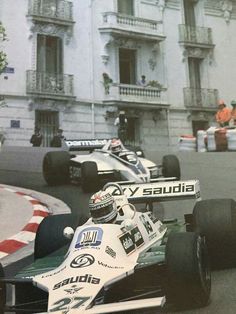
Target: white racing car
<point>101,165</point>
<point>135,263</point>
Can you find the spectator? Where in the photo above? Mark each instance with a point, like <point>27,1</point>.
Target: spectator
<point>57,139</point>
<point>233,111</point>
<point>122,124</point>
<point>223,115</point>
<point>36,138</point>
<point>143,81</point>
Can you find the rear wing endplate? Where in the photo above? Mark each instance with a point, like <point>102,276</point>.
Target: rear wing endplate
<point>158,191</point>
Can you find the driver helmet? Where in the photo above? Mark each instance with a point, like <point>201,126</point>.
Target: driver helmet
<point>116,146</point>
<point>103,208</point>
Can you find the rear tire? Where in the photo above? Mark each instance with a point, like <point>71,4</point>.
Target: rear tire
<point>171,167</point>
<point>216,220</point>
<point>50,238</point>
<point>188,274</point>
<point>89,177</point>
<point>56,167</point>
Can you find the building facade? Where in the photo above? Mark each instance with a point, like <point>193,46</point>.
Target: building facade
<point>75,65</point>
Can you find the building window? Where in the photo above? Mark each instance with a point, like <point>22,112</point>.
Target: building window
<point>127,65</point>
<point>49,54</point>
<point>189,13</point>
<point>125,7</point>
<point>194,72</point>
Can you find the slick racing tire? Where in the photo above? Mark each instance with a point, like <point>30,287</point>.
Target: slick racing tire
<point>216,220</point>
<point>171,167</point>
<point>188,273</point>
<point>89,177</point>
<point>2,291</point>
<point>56,167</point>
<point>50,237</point>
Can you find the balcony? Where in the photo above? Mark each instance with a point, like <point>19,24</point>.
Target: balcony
<point>192,36</point>
<point>120,25</point>
<point>136,96</point>
<point>41,11</point>
<point>49,85</point>
<point>201,99</point>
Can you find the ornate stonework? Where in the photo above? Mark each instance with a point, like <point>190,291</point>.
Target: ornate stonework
<point>52,30</point>
<point>200,53</point>
<point>223,8</point>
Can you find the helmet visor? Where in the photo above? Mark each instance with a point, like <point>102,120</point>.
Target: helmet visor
<point>102,212</point>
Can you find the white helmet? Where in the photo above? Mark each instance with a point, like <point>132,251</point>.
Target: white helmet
<point>102,208</point>
<point>116,145</point>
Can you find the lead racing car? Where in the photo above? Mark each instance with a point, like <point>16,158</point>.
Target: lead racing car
<point>135,263</point>
<point>102,164</point>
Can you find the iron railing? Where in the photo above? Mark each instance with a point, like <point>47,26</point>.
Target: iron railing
<point>49,83</point>
<point>44,9</point>
<point>200,98</point>
<point>195,35</point>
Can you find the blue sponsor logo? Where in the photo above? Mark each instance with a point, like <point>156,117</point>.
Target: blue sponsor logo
<point>89,237</point>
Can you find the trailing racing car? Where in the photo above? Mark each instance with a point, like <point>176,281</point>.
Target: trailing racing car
<point>135,263</point>
<point>103,164</point>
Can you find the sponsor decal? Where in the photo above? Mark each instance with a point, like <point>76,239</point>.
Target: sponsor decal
<point>146,224</point>
<point>74,289</point>
<point>131,240</point>
<point>89,237</point>
<point>152,217</point>
<point>84,143</point>
<point>137,237</point>
<point>83,260</point>
<point>156,190</point>
<point>81,279</point>
<point>127,243</point>
<point>54,273</point>
<point>109,266</point>
<point>110,251</point>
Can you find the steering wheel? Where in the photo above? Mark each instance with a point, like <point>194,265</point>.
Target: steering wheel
<point>107,185</point>
<point>132,207</point>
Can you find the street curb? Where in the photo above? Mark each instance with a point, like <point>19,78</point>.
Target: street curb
<point>23,255</point>
<point>28,232</point>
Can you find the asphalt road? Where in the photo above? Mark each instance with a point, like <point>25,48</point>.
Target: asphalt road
<point>216,172</point>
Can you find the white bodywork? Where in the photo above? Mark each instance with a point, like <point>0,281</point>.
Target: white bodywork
<point>98,260</point>
<point>107,162</point>
<point>102,254</point>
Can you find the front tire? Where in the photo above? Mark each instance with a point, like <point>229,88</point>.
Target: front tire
<point>188,274</point>
<point>49,237</point>
<point>89,177</point>
<point>171,167</point>
<point>216,220</point>
<point>56,167</point>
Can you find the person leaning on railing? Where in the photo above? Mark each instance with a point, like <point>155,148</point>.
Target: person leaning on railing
<point>223,115</point>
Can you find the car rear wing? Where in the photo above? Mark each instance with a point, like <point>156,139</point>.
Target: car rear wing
<point>86,144</point>
<point>157,191</point>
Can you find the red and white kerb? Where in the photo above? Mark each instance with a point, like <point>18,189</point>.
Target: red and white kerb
<point>28,233</point>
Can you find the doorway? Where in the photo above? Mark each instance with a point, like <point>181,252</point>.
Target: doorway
<point>127,66</point>
<point>48,122</point>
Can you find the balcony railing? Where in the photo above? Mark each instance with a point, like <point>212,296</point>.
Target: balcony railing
<point>49,84</point>
<point>195,35</point>
<point>136,94</point>
<point>200,98</point>
<point>43,9</point>
<point>120,22</point>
